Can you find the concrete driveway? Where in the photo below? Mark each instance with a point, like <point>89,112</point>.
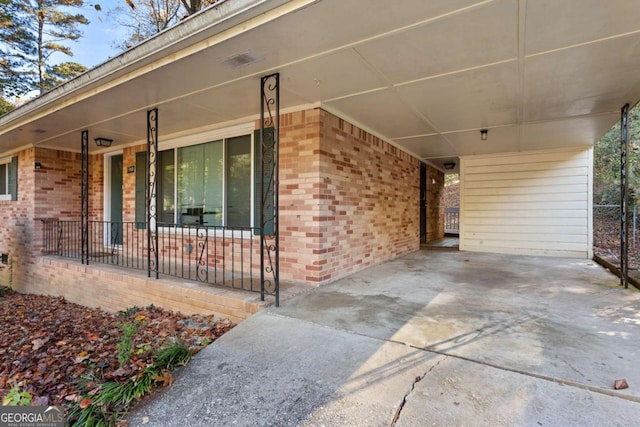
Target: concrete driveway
<point>430,339</point>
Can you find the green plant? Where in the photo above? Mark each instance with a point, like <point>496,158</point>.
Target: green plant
<point>172,356</point>
<point>125,345</point>
<point>128,312</point>
<point>17,397</point>
<point>102,408</point>
<point>141,348</point>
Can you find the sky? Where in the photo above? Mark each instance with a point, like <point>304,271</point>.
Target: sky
<point>96,45</point>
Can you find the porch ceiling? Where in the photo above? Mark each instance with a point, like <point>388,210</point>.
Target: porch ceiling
<point>425,75</point>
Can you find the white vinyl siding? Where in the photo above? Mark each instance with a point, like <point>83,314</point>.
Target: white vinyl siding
<point>533,203</point>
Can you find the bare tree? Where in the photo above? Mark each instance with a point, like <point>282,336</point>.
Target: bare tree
<point>144,18</point>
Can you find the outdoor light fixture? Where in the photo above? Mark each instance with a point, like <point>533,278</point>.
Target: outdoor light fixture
<point>449,165</point>
<point>38,165</point>
<point>103,142</point>
<point>483,134</point>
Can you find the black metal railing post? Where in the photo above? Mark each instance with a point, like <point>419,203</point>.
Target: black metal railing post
<point>84,209</point>
<point>269,147</point>
<point>624,186</point>
<point>151,192</point>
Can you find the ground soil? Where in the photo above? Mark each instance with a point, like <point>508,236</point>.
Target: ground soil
<point>56,350</point>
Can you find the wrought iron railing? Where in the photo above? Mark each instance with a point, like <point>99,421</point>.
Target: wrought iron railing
<point>452,220</point>
<point>228,256</point>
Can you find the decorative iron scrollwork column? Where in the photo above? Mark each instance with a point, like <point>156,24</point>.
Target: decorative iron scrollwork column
<point>624,170</point>
<point>151,192</point>
<point>269,148</point>
<point>84,190</point>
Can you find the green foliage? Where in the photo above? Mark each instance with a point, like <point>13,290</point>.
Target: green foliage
<point>5,106</point>
<point>606,163</point>
<point>104,406</point>
<point>172,356</point>
<point>128,312</point>
<point>17,397</point>
<point>125,345</point>
<point>142,348</point>
<point>31,33</point>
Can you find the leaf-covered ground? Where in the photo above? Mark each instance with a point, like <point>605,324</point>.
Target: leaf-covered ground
<point>606,240</point>
<point>57,350</point>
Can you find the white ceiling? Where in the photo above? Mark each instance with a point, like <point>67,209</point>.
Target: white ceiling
<point>426,76</point>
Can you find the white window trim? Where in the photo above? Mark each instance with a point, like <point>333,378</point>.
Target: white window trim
<point>6,197</point>
<point>202,137</point>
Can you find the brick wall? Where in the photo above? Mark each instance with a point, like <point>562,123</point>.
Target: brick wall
<point>368,198</point>
<point>435,205</point>
<point>129,182</point>
<point>300,237</point>
<point>96,187</point>
<point>50,192</point>
<point>348,200</point>
<point>17,230</point>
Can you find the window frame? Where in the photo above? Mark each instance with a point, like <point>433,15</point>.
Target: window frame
<point>244,129</point>
<point>8,195</point>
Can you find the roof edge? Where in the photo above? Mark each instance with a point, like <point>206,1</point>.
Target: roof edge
<point>207,19</point>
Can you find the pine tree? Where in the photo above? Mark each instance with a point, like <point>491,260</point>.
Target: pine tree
<point>5,106</point>
<point>32,32</point>
<point>15,45</point>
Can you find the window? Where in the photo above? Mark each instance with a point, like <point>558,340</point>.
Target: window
<point>206,184</point>
<point>9,179</point>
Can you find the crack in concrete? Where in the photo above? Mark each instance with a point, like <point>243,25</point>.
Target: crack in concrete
<point>396,417</point>
<point>556,380</point>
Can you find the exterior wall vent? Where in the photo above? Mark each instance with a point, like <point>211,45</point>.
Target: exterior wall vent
<point>241,59</point>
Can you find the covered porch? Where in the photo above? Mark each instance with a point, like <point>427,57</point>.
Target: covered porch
<point>511,94</point>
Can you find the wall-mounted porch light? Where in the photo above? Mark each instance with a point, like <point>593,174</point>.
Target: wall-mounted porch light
<point>37,165</point>
<point>483,134</point>
<point>449,165</point>
<point>103,142</point>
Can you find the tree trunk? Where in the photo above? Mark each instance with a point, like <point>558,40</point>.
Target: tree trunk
<point>41,64</point>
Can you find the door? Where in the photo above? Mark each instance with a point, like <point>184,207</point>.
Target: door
<point>115,228</point>
<point>423,203</point>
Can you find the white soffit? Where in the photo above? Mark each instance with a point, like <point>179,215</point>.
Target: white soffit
<point>425,75</point>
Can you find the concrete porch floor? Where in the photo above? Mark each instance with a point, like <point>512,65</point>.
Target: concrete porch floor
<point>432,338</point>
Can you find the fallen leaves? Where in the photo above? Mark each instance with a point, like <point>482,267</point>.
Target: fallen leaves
<point>57,351</point>
<point>166,379</point>
<point>38,343</point>
<point>85,403</point>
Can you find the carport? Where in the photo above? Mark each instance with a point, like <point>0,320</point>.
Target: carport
<point>431,338</point>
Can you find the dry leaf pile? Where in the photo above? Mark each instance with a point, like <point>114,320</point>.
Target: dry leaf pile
<point>56,350</point>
